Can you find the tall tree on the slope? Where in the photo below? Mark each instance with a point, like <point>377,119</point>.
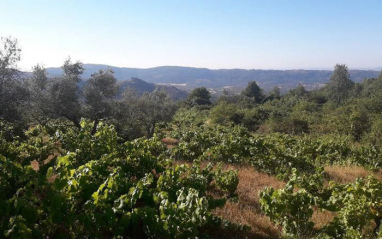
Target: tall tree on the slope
<point>340,85</point>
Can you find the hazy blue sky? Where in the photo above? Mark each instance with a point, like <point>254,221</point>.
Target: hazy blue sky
<point>282,34</point>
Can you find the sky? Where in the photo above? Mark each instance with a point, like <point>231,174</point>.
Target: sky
<point>216,34</point>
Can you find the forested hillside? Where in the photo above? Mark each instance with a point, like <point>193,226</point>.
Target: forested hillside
<point>87,161</point>
<point>197,77</point>
<point>141,87</point>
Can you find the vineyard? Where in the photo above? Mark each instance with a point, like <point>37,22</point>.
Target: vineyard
<point>60,182</point>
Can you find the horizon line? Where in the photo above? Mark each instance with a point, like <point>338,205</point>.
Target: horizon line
<point>265,69</point>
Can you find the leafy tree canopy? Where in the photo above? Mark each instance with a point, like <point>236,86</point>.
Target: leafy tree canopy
<point>199,96</point>
<point>253,91</point>
<point>340,85</point>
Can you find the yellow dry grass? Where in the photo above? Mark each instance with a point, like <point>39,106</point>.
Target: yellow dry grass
<point>347,174</point>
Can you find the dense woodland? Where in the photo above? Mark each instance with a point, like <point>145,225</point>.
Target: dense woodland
<point>81,159</point>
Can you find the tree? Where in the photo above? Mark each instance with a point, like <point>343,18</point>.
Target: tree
<point>199,96</point>
<point>39,78</point>
<point>73,70</point>
<point>225,114</point>
<point>253,91</point>
<point>371,87</point>
<point>65,92</point>
<point>136,116</point>
<point>299,91</point>
<point>126,115</point>
<point>340,85</point>
<point>371,92</point>
<point>39,106</point>
<point>276,92</point>
<point>155,107</point>
<point>99,93</point>
<point>9,56</point>
<point>12,93</point>
<point>228,97</point>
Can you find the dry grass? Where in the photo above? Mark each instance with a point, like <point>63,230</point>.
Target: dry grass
<point>348,174</point>
<point>322,218</point>
<point>246,210</point>
<point>170,142</point>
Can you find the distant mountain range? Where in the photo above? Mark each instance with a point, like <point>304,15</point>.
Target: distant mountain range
<point>188,77</point>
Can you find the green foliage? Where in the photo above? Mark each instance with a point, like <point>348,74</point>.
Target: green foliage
<point>99,92</point>
<point>199,97</point>
<point>189,118</point>
<point>225,114</point>
<point>75,184</point>
<point>298,92</point>
<point>275,93</point>
<point>135,116</point>
<point>374,136</point>
<point>65,92</point>
<point>275,154</point>
<point>12,94</point>
<point>356,206</point>
<point>227,181</point>
<point>154,108</point>
<point>39,107</point>
<point>340,85</point>
<point>292,125</point>
<point>290,210</point>
<point>253,91</point>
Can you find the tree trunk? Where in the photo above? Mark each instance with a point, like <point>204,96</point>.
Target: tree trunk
<point>151,130</point>
<point>377,221</point>
<point>94,130</point>
<point>75,121</point>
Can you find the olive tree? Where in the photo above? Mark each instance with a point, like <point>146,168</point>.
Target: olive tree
<point>155,107</point>
<point>99,93</point>
<point>135,116</point>
<point>39,107</point>
<point>12,93</point>
<point>65,92</point>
